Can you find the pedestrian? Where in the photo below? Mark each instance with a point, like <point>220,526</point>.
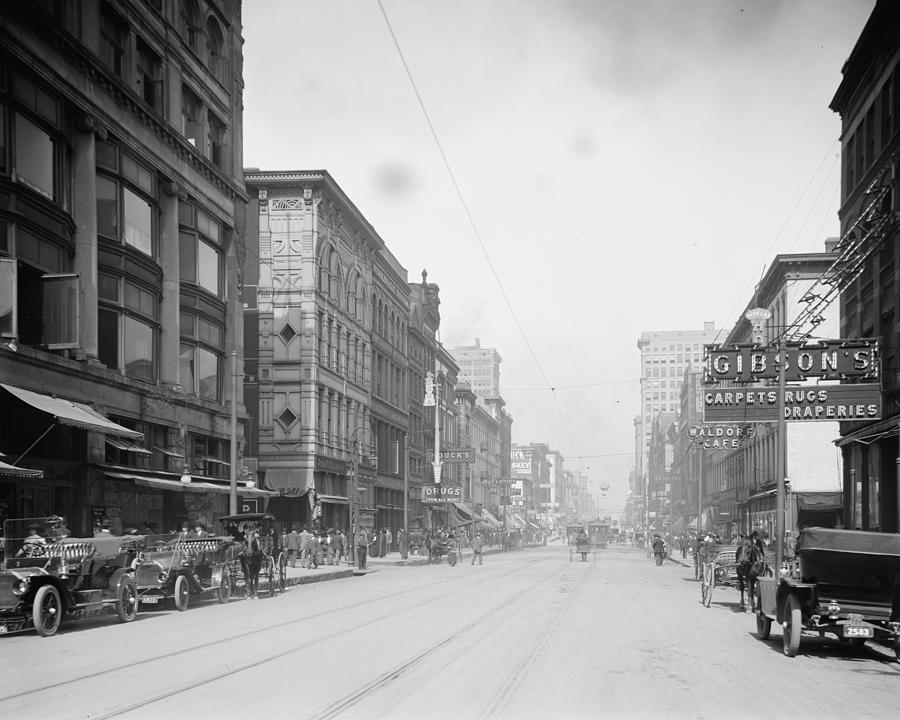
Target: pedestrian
<point>362,548</point>
<point>478,549</point>
<point>343,547</point>
<point>304,546</point>
<point>389,538</point>
<point>199,531</point>
<point>292,544</point>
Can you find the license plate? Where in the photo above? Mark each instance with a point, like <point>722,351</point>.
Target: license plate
<point>855,631</point>
<point>150,599</point>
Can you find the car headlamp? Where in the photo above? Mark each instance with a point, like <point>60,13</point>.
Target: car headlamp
<point>21,586</point>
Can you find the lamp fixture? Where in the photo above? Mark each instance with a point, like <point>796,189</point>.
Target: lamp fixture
<point>185,477</point>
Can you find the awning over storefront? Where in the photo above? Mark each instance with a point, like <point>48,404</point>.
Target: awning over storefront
<point>197,486</point>
<point>334,499</point>
<point>488,518</point>
<point>127,446</point>
<point>287,481</point>
<point>871,433</point>
<point>71,413</point>
<point>16,471</point>
<point>819,501</point>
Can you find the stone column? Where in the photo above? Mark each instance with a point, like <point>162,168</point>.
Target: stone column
<point>84,211</point>
<point>169,251</point>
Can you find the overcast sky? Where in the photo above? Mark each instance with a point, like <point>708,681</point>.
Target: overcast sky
<point>629,165</point>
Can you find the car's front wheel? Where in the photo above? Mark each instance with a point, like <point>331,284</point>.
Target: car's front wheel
<point>182,593</point>
<point>127,600</point>
<point>46,613</point>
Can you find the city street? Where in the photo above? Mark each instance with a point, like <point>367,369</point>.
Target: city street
<point>527,635</point>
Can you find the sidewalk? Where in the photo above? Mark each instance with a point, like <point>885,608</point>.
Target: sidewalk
<point>303,576</point>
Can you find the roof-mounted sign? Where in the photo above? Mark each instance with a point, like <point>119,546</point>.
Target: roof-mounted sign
<point>826,359</point>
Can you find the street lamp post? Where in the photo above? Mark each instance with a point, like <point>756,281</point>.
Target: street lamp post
<point>353,491</point>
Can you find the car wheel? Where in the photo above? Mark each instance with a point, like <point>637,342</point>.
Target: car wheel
<point>763,621</point>
<point>793,626</point>
<point>126,600</point>
<point>223,593</point>
<point>46,612</point>
<point>182,593</point>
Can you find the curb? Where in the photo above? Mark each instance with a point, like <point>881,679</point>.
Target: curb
<point>307,579</point>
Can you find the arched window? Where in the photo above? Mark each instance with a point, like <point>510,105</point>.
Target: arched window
<point>334,273</point>
<point>215,50</point>
<point>360,300</point>
<point>324,264</point>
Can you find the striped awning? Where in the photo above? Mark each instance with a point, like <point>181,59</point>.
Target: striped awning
<point>16,471</point>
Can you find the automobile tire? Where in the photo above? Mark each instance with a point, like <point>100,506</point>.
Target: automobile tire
<point>46,611</point>
<point>182,593</point>
<point>763,621</point>
<point>223,592</point>
<point>792,627</point>
<point>126,600</point>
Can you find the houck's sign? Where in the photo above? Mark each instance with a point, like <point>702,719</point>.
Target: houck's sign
<point>828,360</point>
<point>802,403</point>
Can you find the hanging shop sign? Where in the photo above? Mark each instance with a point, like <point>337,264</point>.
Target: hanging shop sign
<point>506,490</point>
<point>453,456</point>
<point>827,360</point>
<point>720,436</point>
<point>802,403</point>
<point>441,493</point>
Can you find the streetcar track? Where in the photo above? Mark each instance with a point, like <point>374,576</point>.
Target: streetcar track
<point>382,681</point>
<point>232,670</point>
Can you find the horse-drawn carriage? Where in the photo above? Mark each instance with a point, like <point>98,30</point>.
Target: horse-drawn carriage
<point>846,583</point>
<point>722,566</point>
<point>579,542</point>
<point>259,553</point>
<point>46,576</point>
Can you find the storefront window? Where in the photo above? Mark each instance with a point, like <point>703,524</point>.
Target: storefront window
<point>34,157</point>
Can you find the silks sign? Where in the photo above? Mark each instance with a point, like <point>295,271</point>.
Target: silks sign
<point>802,403</point>
<point>828,360</point>
<point>719,436</point>
<point>441,493</point>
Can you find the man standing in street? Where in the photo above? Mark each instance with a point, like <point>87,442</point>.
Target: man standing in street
<point>304,536</point>
<point>477,549</point>
<point>388,539</point>
<point>362,548</point>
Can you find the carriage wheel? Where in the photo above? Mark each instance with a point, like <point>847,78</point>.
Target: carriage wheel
<point>46,611</point>
<point>126,600</point>
<point>223,592</point>
<point>182,593</point>
<point>270,575</point>
<point>897,648</point>
<point>282,572</point>
<point>707,583</point>
<point>763,621</point>
<point>793,626</point>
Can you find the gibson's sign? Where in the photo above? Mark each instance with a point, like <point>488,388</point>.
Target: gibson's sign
<point>802,403</point>
<point>828,360</point>
<point>720,437</point>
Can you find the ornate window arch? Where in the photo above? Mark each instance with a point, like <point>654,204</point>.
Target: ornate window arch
<point>215,50</point>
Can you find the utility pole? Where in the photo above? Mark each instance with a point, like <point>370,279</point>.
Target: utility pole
<point>232,493</point>
<point>780,461</point>
<point>404,549</point>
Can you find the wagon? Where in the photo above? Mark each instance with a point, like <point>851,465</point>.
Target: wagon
<point>175,568</point>
<point>273,569</point>
<point>62,577</point>
<point>846,584</point>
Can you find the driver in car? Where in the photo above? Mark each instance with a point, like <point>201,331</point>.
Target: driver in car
<point>34,545</point>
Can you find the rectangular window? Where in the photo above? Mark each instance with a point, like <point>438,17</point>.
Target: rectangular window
<point>208,268</point>
<point>108,338</point>
<point>107,208</point>
<point>149,75</point>
<point>191,126</point>
<point>138,355</point>
<point>7,296</point>
<point>188,256</point>
<point>112,40</point>
<point>207,375</point>
<point>186,363</point>
<point>34,157</point>
<point>138,223</point>
<point>60,311</point>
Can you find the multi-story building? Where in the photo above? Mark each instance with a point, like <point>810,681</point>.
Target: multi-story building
<point>121,226</point>
<point>390,394</point>
<point>480,368</point>
<point>660,470</point>
<point>427,356</point>
<point>311,259</point>
<point>664,356</point>
<point>868,102</point>
<point>557,487</point>
<point>479,431</point>
<point>740,483</point>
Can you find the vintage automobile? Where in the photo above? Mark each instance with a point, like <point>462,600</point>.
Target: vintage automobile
<point>176,568</point>
<point>846,584</point>
<point>46,577</point>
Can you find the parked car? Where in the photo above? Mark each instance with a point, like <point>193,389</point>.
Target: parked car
<point>45,577</point>
<point>177,568</point>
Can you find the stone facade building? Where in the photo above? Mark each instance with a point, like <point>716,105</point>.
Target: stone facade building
<point>121,226</point>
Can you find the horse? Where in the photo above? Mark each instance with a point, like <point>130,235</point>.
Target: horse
<point>251,560</point>
<point>750,565</point>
